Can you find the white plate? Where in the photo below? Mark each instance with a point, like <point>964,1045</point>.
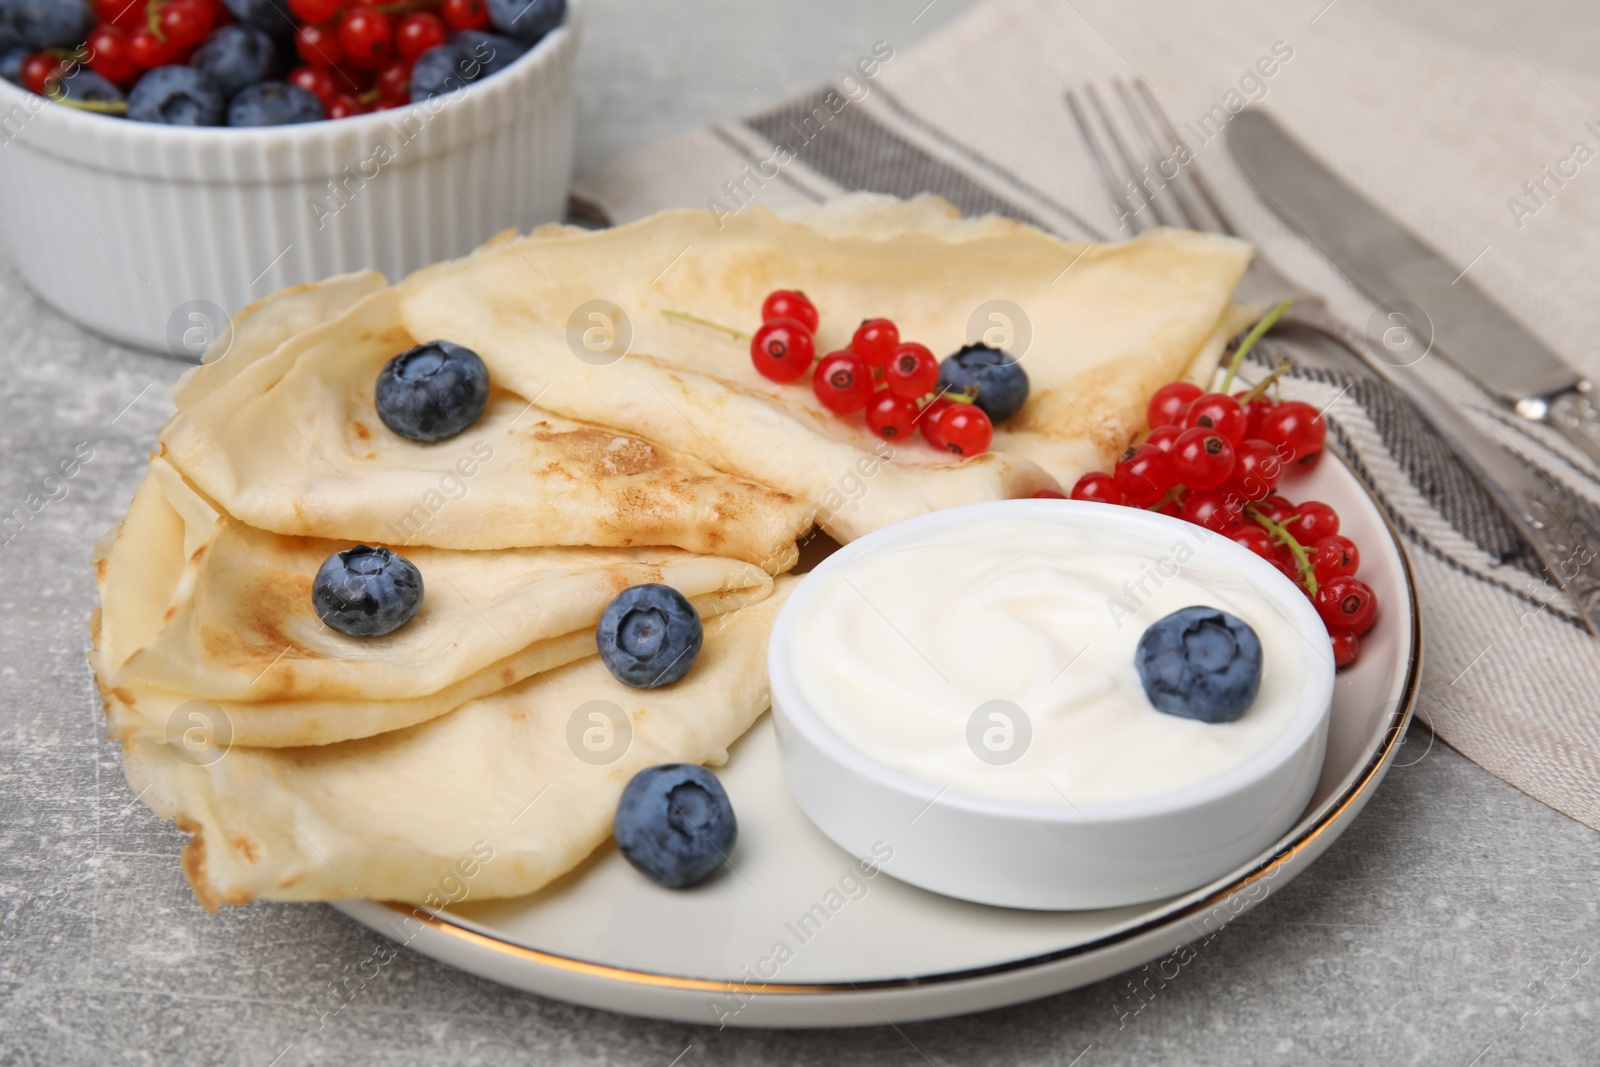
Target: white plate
<point>877,950</point>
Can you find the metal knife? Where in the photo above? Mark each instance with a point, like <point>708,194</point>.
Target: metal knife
<point>1390,264</point>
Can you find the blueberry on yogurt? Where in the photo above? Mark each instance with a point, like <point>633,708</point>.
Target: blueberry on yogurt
<point>366,591</point>
<point>675,824</point>
<point>432,391</point>
<point>1200,663</point>
<point>274,104</point>
<point>649,636</point>
<point>527,20</point>
<point>997,382</point>
<point>42,24</point>
<point>84,86</point>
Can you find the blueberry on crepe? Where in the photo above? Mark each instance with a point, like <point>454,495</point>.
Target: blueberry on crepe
<point>674,824</point>
<point>366,592</point>
<point>432,391</point>
<point>649,636</point>
<point>997,383</point>
<point>1200,663</point>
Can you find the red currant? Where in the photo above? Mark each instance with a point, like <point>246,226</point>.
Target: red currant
<point>1210,508</point>
<point>126,14</point>
<point>965,429</point>
<point>315,10</point>
<point>1202,458</point>
<point>1219,412</point>
<point>1256,469</point>
<point>1346,645</point>
<point>783,350</point>
<point>1277,508</point>
<point>148,50</point>
<point>1255,410</point>
<point>891,417</point>
<point>874,339</point>
<point>318,44</point>
<point>37,71</point>
<point>1098,487</point>
<point>912,370</point>
<point>109,53</point>
<point>1334,557</point>
<point>1049,494</point>
<point>185,22</point>
<point>1143,475</point>
<point>1170,402</point>
<point>417,33</point>
<point>790,304</point>
<point>843,382</point>
<point>1347,603</point>
<point>1297,429</point>
<point>1163,437</point>
<point>928,420</point>
<point>394,81</point>
<point>1255,539</point>
<point>1312,521</point>
<point>466,14</point>
<point>317,81</point>
<point>344,106</point>
<point>366,34</point>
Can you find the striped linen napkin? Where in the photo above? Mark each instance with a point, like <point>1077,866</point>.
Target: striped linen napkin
<point>975,114</point>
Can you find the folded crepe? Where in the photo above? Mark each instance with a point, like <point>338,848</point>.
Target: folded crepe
<point>199,606</point>
<point>285,437</point>
<point>1108,324</point>
<point>491,796</point>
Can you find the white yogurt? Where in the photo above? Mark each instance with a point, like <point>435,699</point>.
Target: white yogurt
<point>902,654</point>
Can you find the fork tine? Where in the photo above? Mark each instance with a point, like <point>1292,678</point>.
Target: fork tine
<point>1188,211</point>
<point>1191,169</point>
<point>1126,212</point>
<point>1132,169</point>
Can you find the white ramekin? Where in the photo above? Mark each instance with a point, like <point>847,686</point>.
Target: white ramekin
<point>1027,854</point>
<point>147,234</point>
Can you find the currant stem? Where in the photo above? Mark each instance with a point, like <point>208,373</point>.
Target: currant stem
<point>698,321</point>
<point>1271,380</point>
<point>1250,340</point>
<point>99,107</point>
<point>1281,534</point>
<point>1172,494</point>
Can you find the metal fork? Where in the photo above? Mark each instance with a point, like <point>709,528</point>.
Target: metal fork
<point>1134,157</point>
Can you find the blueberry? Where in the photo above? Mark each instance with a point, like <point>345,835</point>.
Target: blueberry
<point>432,391</point>
<point>41,24</point>
<point>674,824</point>
<point>236,57</point>
<point>271,16</point>
<point>366,592</point>
<point>11,63</point>
<point>527,20</point>
<point>442,69</point>
<point>176,96</point>
<point>1200,663</point>
<point>490,51</point>
<point>274,104</point>
<point>997,380</point>
<point>649,636</point>
<point>84,86</point>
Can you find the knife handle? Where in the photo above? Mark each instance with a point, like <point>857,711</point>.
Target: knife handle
<point>1550,518</point>
<point>1574,413</point>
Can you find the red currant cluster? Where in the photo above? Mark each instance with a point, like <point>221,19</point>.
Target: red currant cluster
<point>893,382</point>
<point>1216,459</point>
<point>130,37</point>
<point>358,53</point>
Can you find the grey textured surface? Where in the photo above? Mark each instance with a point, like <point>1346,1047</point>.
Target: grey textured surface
<point>1457,922</point>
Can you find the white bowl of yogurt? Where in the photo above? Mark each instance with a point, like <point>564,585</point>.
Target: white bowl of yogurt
<point>959,691</point>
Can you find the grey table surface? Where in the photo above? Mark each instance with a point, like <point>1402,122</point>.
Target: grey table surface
<point>1456,922</point>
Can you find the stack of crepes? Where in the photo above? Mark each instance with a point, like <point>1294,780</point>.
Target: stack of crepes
<point>310,765</point>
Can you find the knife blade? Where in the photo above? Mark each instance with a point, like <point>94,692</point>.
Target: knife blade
<point>1390,264</point>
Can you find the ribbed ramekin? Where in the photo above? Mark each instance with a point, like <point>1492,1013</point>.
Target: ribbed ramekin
<point>147,234</point>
